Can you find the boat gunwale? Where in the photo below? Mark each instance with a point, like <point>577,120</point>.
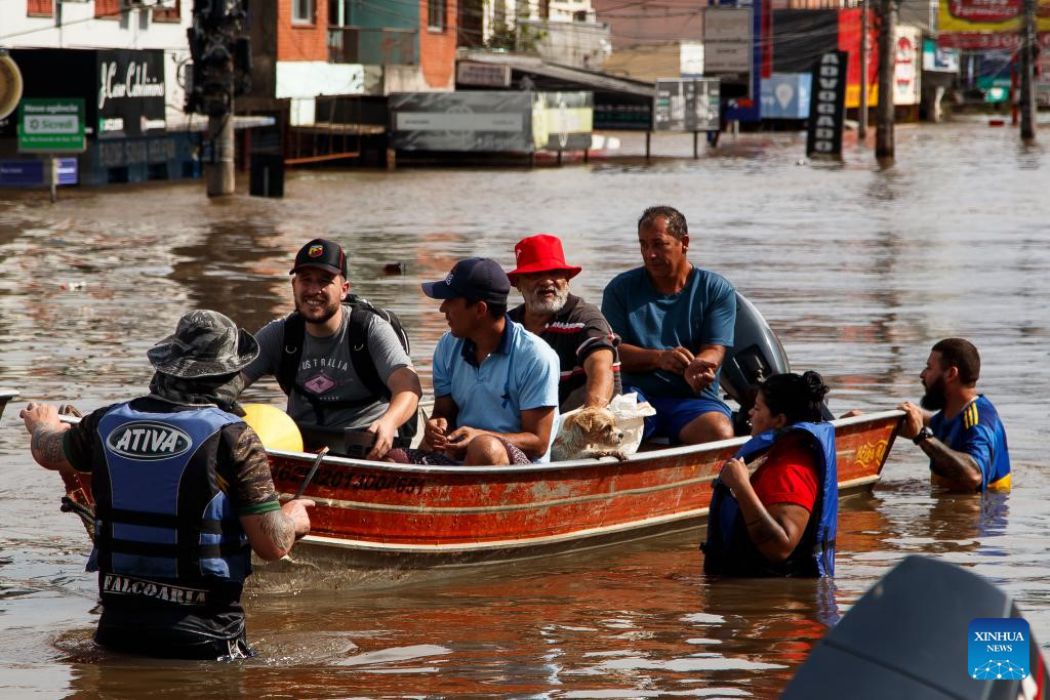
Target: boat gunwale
<point>638,459</point>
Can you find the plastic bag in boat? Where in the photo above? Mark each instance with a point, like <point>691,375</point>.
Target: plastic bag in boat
<point>630,417</point>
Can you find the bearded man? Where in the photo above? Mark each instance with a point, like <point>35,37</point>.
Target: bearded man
<point>959,430</point>
<point>343,369</point>
<point>576,330</point>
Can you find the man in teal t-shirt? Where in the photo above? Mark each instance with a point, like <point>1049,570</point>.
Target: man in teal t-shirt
<point>675,321</point>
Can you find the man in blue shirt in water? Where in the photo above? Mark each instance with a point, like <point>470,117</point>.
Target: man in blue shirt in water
<point>964,438</point>
<point>675,321</point>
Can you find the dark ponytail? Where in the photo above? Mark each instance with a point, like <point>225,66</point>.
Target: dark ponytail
<point>799,397</point>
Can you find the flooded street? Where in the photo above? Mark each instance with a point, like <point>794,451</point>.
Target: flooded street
<point>860,271</point>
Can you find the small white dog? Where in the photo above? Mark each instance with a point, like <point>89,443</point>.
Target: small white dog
<point>589,432</point>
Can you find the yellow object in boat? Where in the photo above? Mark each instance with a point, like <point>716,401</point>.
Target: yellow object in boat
<point>274,427</point>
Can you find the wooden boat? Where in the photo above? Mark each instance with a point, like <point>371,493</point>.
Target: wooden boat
<point>410,516</point>
<point>379,515</point>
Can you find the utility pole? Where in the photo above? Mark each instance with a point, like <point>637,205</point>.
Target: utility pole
<point>862,111</point>
<point>884,148</point>
<point>221,69</point>
<point>1027,69</point>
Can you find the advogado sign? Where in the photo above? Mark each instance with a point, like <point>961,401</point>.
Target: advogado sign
<point>130,91</point>
<point>826,111</point>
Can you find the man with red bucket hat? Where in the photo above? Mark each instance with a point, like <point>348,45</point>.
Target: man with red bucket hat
<point>576,330</point>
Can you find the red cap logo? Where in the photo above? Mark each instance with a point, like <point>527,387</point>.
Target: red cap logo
<point>315,251</point>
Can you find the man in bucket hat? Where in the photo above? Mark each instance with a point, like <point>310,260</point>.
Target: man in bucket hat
<point>576,330</point>
<point>183,495</point>
<point>342,362</point>
<point>495,384</point>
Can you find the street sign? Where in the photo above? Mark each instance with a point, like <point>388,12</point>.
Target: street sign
<point>33,173</point>
<point>686,104</point>
<point>52,125</point>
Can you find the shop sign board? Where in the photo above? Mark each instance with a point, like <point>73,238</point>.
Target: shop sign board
<point>482,74</point>
<point>939,60</point>
<point>686,104</point>
<point>728,41</point>
<point>491,121</point>
<point>562,121</point>
<point>988,24</point>
<point>32,173</point>
<point>906,73</point>
<point>51,125</point>
<point>786,96</point>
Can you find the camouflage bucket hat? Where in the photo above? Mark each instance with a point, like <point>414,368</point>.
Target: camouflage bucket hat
<point>205,344</point>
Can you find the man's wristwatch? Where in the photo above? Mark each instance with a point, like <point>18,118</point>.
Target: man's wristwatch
<point>924,434</point>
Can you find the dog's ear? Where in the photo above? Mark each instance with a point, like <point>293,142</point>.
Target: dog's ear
<point>587,420</point>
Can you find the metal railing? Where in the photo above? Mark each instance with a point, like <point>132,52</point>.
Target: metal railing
<point>373,46</point>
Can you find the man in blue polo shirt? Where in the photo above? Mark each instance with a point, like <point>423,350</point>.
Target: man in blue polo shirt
<point>964,439</point>
<point>495,384</point>
<point>675,322</point>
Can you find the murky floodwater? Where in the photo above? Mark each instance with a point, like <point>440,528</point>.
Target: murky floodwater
<point>860,271</point>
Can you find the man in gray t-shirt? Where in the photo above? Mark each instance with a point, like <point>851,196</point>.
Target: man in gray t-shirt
<point>327,394</point>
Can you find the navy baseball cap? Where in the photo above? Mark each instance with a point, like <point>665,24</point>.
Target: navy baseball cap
<point>476,279</point>
<point>321,253</point>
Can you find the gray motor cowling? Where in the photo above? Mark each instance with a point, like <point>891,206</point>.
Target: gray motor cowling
<point>756,354</point>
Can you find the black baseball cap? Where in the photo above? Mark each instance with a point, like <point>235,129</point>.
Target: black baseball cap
<point>476,279</point>
<point>321,253</point>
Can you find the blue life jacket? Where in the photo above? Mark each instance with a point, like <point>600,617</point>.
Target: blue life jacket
<point>729,551</point>
<point>165,531</point>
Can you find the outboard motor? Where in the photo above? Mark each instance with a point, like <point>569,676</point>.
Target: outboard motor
<point>755,355</point>
<point>916,634</point>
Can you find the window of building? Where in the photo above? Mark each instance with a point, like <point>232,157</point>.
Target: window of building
<point>168,14</point>
<point>302,11</point>
<point>436,15</point>
<point>108,9</point>
<point>40,8</point>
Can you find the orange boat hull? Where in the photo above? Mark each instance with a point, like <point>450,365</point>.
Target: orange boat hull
<point>413,516</point>
<point>455,514</point>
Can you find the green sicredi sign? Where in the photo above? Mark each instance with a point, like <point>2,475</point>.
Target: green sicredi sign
<point>52,125</point>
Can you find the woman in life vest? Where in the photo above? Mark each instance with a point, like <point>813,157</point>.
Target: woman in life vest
<point>780,520</point>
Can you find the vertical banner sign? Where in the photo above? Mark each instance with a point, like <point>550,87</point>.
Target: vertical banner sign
<point>827,105</point>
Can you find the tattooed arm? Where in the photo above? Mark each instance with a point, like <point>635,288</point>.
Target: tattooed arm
<point>272,529</point>
<point>46,431</point>
<point>272,534</point>
<point>957,466</point>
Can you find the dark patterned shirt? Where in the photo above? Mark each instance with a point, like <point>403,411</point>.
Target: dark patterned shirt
<point>575,332</point>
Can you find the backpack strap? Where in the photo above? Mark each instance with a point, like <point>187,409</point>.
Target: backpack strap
<point>364,365</point>
<point>361,358</point>
<point>291,351</point>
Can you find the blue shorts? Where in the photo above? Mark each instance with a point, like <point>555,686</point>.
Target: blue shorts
<point>673,414</point>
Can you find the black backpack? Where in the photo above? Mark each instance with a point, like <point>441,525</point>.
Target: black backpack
<point>364,366</point>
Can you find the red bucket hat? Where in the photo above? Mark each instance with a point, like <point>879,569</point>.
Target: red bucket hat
<point>541,253</point>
